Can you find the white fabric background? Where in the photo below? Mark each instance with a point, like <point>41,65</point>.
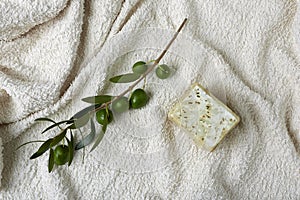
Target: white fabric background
<point>53,54</point>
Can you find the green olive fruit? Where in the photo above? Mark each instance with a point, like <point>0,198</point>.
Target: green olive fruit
<point>61,154</point>
<point>102,116</point>
<point>163,71</point>
<point>139,67</point>
<point>138,98</point>
<point>121,105</point>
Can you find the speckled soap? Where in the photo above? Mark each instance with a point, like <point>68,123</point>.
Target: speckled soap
<point>206,119</point>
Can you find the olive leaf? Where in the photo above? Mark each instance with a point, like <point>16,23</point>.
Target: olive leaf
<point>82,117</point>
<point>58,138</point>
<point>43,148</point>
<point>51,160</point>
<point>100,99</point>
<point>29,143</point>
<point>71,149</point>
<point>87,139</point>
<point>44,119</point>
<point>83,112</point>
<point>80,121</point>
<point>99,137</point>
<point>56,124</point>
<point>101,134</point>
<point>125,78</point>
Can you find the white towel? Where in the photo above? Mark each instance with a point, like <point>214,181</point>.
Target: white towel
<point>54,54</point>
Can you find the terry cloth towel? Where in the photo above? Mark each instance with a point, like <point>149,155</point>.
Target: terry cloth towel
<point>53,53</point>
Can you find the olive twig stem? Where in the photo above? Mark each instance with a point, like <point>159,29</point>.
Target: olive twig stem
<point>148,70</point>
<point>145,81</point>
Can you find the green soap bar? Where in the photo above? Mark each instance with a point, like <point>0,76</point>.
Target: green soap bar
<point>205,118</point>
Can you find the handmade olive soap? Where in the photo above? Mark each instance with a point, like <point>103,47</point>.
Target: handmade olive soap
<point>206,119</point>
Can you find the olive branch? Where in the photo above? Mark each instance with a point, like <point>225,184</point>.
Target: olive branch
<point>126,77</point>
<point>63,153</point>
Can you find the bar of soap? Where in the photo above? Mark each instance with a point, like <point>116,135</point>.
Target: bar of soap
<point>206,119</point>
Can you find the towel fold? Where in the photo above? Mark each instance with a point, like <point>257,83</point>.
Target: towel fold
<point>18,17</point>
